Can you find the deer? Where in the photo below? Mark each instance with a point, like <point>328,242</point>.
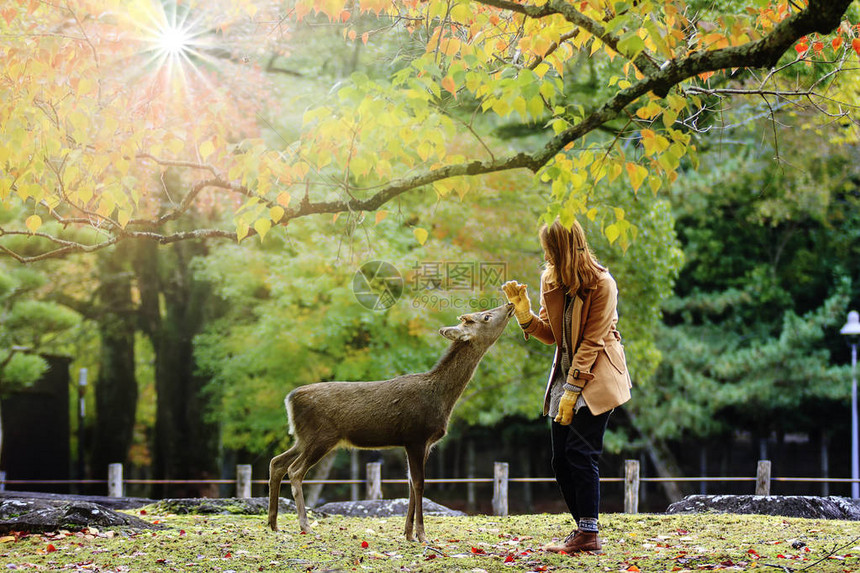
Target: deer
<point>409,411</point>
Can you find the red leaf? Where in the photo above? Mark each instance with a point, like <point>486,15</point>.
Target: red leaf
<point>478,551</point>
<point>365,544</point>
<point>633,569</point>
<point>143,512</point>
<point>855,43</point>
<point>801,48</point>
<point>181,532</point>
<point>50,548</point>
<point>817,47</point>
<point>429,557</point>
<point>836,43</point>
<point>509,559</point>
<point>228,555</point>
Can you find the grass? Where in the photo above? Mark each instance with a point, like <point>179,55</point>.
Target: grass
<point>645,542</point>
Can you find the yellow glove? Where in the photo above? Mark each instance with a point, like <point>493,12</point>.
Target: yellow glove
<point>566,406</point>
<point>516,294</point>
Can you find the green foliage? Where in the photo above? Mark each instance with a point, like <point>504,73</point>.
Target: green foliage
<point>28,325</point>
<point>771,270</point>
<point>22,370</point>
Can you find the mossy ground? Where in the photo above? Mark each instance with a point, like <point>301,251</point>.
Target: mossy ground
<point>645,542</point>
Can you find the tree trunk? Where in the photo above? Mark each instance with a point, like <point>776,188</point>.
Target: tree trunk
<point>172,307</point>
<point>116,385</point>
<point>320,471</point>
<point>664,463</point>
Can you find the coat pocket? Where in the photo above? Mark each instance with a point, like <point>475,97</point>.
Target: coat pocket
<point>615,353</point>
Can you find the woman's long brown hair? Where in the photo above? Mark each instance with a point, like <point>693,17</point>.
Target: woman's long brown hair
<point>570,261</point>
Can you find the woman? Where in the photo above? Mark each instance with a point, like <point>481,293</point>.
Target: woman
<point>589,375</point>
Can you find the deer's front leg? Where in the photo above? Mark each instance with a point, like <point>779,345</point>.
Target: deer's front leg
<point>415,514</point>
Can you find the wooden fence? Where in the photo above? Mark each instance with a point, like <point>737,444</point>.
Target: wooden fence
<point>500,480</point>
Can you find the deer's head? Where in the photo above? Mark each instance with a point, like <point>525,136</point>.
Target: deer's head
<point>482,327</point>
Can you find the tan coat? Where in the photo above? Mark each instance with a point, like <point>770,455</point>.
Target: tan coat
<point>597,343</point>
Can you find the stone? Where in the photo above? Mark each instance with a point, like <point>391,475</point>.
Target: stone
<point>103,500</point>
<point>227,505</point>
<point>811,507</point>
<point>382,508</point>
<point>43,515</point>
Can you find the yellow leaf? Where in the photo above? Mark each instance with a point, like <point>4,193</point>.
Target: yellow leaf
<point>276,213</point>
<point>284,199</point>
<point>206,149</point>
<point>33,223</point>
<point>241,230</point>
<point>262,226</point>
<point>420,235</point>
<point>380,215</point>
<point>612,232</point>
<point>637,175</point>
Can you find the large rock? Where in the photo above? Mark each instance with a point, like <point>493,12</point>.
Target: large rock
<point>786,505</point>
<point>382,508</point>
<point>103,500</point>
<point>226,505</point>
<point>41,515</point>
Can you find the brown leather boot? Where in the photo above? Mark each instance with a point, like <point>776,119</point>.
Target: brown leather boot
<point>577,542</point>
<point>562,545</point>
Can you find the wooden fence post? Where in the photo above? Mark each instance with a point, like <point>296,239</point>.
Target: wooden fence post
<point>631,486</point>
<point>374,480</point>
<point>243,480</point>
<point>114,480</point>
<point>353,475</point>
<point>500,488</point>
<point>762,478</point>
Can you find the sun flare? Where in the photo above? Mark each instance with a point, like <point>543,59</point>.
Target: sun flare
<point>173,40</point>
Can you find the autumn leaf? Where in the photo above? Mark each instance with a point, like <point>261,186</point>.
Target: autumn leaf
<point>855,43</point>
<point>206,149</point>
<point>636,173</point>
<point>420,235</point>
<point>380,215</point>
<point>449,85</point>
<point>33,223</point>
<point>262,227</point>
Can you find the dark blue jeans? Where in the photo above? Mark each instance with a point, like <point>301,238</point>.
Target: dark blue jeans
<point>576,450</point>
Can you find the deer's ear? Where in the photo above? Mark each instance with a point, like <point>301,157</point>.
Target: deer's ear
<point>455,333</point>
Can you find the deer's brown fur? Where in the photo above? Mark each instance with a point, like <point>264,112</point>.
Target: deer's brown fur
<point>409,411</point>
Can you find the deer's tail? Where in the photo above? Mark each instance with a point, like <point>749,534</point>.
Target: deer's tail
<point>288,402</point>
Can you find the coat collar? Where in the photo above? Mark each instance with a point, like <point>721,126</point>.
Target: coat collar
<point>554,300</point>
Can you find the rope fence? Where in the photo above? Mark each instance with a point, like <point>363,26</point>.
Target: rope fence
<point>374,482</point>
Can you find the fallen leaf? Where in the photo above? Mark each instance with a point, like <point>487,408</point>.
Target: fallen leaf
<point>50,548</point>
<point>365,544</point>
<point>7,538</point>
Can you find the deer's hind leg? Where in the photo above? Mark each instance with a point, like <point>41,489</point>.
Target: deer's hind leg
<point>308,457</point>
<point>277,470</point>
